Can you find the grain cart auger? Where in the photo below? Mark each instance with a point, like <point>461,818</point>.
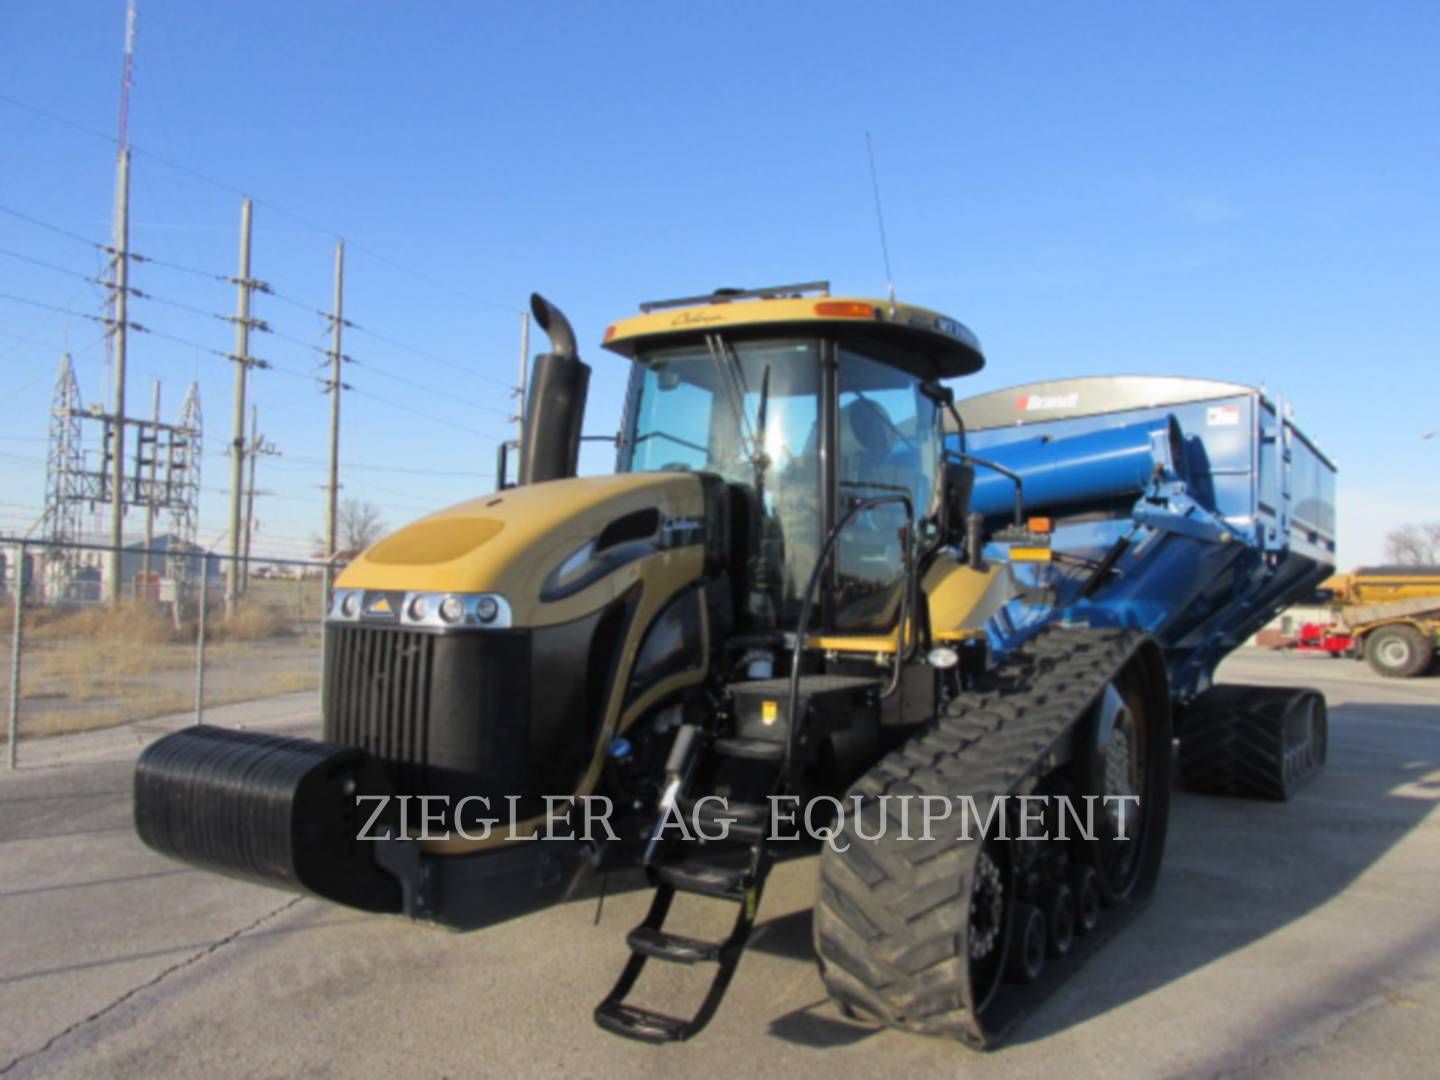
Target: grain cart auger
<point>812,574</point>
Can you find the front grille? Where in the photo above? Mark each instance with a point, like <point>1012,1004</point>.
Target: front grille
<point>378,695</point>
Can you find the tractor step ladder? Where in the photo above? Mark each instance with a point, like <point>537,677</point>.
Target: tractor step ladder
<point>735,868</point>
<point>737,875</point>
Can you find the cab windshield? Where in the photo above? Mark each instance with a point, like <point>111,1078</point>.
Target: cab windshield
<point>750,412</point>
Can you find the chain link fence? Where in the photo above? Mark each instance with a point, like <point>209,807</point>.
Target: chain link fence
<point>172,646</point>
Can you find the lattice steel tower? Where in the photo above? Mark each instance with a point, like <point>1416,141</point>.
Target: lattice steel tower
<point>163,475</point>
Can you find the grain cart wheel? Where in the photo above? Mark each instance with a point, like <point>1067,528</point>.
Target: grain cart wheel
<point>1122,759</point>
<point>1400,651</point>
<point>1263,742</point>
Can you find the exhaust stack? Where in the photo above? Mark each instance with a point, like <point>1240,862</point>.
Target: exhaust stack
<point>555,408</point>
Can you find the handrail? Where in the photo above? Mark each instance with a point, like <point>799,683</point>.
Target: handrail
<point>807,605</point>
<point>1003,471</point>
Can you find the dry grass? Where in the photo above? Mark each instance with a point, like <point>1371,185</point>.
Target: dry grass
<point>97,667</point>
<point>92,645</point>
<point>136,705</point>
<point>251,622</point>
<point>133,624</point>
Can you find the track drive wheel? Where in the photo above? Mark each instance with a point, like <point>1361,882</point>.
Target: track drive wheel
<point>1122,759</point>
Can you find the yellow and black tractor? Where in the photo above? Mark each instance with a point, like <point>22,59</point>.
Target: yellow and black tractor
<point>780,595</point>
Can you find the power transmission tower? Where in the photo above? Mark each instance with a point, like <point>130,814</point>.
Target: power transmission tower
<point>152,439</point>
<point>334,386</point>
<point>165,478</point>
<point>66,459</point>
<point>182,484</point>
<point>256,448</point>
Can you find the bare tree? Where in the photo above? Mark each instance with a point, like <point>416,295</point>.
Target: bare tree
<point>1414,545</point>
<point>358,524</point>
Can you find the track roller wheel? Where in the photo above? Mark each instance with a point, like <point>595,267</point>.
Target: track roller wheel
<point>1087,899</point>
<point>1026,962</point>
<point>1060,920</point>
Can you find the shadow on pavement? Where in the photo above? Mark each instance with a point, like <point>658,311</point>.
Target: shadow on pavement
<point>1236,871</point>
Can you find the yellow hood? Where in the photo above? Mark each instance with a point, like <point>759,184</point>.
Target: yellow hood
<point>510,542</point>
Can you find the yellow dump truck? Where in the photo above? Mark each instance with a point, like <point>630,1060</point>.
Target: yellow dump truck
<point>1391,615</point>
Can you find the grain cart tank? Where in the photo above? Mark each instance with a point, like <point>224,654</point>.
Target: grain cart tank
<point>1192,509</point>
<point>794,592</point>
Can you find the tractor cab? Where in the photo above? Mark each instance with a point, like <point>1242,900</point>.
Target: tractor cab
<point>804,403</point>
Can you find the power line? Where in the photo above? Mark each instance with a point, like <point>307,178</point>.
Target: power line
<point>283,211</point>
<point>53,266</point>
<point>429,389</point>
<point>63,311</point>
<point>430,355</point>
<point>309,462</point>
<point>52,228</point>
<point>168,265</point>
<point>28,338</point>
<point>134,256</point>
<point>181,341</point>
<point>425,415</point>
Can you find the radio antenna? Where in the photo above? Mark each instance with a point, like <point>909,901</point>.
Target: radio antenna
<point>880,219</point>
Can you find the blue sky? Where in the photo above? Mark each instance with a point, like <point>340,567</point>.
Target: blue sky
<point>1242,191</point>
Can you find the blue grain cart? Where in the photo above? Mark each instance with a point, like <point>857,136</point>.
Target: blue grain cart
<point>1191,509</point>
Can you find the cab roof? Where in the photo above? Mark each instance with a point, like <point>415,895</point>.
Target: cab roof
<point>921,341</point>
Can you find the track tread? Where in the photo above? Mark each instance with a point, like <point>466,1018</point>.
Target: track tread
<point>1234,744</point>
<point>892,915</point>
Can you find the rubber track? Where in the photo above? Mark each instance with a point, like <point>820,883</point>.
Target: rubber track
<point>891,918</point>
<point>1234,744</point>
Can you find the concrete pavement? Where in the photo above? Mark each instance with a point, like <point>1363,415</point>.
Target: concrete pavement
<point>1301,939</point>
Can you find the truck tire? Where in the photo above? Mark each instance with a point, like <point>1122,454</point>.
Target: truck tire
<point>1400,651</point>
<point>1259,742</point>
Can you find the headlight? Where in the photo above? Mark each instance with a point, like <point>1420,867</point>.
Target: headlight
<point>419,608</point>
<point>486,609</point>
<point>942,657</point>
<point>350,606</point>
<point>452,610</point>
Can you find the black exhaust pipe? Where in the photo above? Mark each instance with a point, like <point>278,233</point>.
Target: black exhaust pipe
<point>555,405</point>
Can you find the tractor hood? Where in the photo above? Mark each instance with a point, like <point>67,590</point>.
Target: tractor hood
<point>553,551</point>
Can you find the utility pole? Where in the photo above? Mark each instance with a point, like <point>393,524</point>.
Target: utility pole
<point>524,378</point>
<point>241,360</point>
<point>337,385</point>
<point>258,448</point>
<point>118,326</point>
<point>150,494</point>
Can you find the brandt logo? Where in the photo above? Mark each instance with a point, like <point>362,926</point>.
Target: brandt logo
<point>1040,403</point>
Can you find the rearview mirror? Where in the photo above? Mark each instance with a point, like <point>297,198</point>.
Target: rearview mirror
<point>955,499</point>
